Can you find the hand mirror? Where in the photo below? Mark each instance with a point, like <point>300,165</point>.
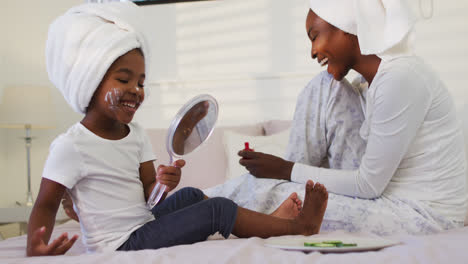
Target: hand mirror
<point>189,129</point>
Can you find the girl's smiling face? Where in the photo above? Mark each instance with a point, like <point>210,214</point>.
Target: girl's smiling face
<point>121,91</point>
<point>331,46</point>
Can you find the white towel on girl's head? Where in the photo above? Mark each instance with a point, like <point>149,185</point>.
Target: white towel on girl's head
<point>383,27</point>
<point>84,42</point>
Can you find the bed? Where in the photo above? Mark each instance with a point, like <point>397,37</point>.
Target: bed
<point>446,247</point>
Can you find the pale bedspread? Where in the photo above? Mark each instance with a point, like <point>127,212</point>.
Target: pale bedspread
<point>387,215</point>
<point>446,247</point>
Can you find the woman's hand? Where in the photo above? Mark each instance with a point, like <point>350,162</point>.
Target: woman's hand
<point>263,165</point>
<point>37,246</point>
<point>170,175</point>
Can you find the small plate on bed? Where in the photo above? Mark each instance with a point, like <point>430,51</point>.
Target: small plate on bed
<point>361,243</point>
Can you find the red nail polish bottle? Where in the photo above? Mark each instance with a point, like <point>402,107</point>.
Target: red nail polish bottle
<point>247,148</point>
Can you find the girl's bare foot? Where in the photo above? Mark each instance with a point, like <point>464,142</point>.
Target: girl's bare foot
<point>290,208</point>
<point>315,204</point>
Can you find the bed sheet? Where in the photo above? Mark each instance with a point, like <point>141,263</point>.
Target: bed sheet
<point>446,247</point>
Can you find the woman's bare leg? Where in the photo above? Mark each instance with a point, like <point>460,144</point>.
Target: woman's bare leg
<point>249,223</point>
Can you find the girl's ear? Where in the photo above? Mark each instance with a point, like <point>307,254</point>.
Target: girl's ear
<point>92,101</point>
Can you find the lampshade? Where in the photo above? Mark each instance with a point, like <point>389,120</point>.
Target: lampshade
<point>26,105</point>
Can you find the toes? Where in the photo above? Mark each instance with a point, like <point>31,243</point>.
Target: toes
<point>323,189</point>
<point>298,202</point>
<point>293,196</point>
<point>309,186</point>
<point>320,189</point>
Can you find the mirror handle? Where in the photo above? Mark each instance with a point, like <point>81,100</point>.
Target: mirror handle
<point>158,190</point>
<point>156,195</point>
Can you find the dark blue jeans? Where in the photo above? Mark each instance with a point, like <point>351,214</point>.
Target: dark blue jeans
<point>184,218</point>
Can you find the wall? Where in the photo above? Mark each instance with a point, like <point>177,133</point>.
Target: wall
<point>3,154</point>
<point>252,55</point>
<point>24,26</point>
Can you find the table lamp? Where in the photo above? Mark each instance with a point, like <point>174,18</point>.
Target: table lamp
<point>26,107</point>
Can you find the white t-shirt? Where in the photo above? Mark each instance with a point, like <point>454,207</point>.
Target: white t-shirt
<point>414,146</point>
<point>102,177</point>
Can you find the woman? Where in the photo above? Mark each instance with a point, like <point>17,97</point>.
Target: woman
<point>392,141</point>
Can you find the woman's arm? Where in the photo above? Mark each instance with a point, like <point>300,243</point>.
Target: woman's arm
<point>322,120</point>
<point>263,165</point>
<point>400,104</point>
<point>307,137</point>
<point>42,220</point>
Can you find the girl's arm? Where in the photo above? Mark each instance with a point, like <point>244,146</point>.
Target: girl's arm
<point>42,220</point>
<point>167,175</point>
<point>67,205</point>
<point>147,177</point>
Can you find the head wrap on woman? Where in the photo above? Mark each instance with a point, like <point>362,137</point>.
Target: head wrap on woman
<point>383,27</point>
<point>84,42</point>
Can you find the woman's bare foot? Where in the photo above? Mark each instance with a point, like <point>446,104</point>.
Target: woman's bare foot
<point>315,204</point>
<point>290,208</point>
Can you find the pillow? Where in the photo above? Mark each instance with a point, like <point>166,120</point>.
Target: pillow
<point>199,171</point>
<point>233,142</point>
<point>275,126</point>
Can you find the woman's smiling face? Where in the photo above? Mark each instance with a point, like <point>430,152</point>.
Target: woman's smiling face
<point>331,46</point>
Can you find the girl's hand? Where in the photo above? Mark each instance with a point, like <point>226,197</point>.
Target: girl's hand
<point>263,165</point>
<point>67,205</point>
<point>170,175</point>
<point>59,246</point>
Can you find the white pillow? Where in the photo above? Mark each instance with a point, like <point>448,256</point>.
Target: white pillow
<point>233,142</point>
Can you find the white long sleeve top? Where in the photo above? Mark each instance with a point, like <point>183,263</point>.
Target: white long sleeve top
<point>414,143</point>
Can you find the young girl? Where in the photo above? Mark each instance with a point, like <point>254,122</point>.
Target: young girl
<point>97,60</point>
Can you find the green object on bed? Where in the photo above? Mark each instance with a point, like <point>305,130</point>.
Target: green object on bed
<point>330,243</point>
